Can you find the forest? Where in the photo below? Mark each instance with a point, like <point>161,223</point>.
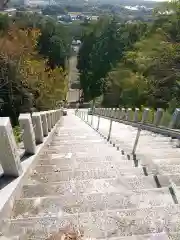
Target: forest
<point>133,64</point>
<point>33,59</point>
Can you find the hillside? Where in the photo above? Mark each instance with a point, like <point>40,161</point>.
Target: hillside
<point>133,63</point>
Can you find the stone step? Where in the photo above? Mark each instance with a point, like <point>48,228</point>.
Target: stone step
<point>158,140</point>
<point>162,169</point>
<point>99,143</point>
<point>69,158</point>
<point>79,203</point>
<point>157,145</point>
<point>174,235</point>
<point>117,185</point>
<point>176,191</point>
<point>56,142</point>
<point>143,220</point>
<point>104,224</point>
<point>83,136</point>
<point>58,166</point>
<point>148,136</point>
<point>161,154</point>
<point>82,166</point>
<point>86,150</point>
<point>82,132</point>
<point>168,169</point>
<point>157,148</point>
<point>151,154</point>
<point>11,238</point>
<point>169,179</point>
<point>167,161</point>
<point>14,234</point>
<point>85,175</point>
<point>76,132</point>
<point>155,236</point>
<point>92,151</point>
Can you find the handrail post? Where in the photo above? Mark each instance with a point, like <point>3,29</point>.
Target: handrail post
<point>136,115</point>
<point>128,114</point>
<point>9,155</point>
<point>110,128</point>
<point>116,114</point>
<point>158,116</point>
<point>92,118</point>
<point>144,118</point>
<point>44,123</point>
<point>48,120</point>
<point>28,135</point>
<point>119,113</point>
<point>175,119</point>
<point>123,113</point>
<point>99,117</point>
<point>136,140</point>
<point>112,112</point>
<point>88,115</point>
<point>52,117</point>
<point>36,119</point>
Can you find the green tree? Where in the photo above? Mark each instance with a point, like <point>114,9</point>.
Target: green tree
<point>101,50</point>
<point>54,44</point>
<point>151,66</point>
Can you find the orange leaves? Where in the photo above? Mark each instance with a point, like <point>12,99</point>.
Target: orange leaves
<point>17,43</point>
<point>47,85</point>
<point>51,85</point>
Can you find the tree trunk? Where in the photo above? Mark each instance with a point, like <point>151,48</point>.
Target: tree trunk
<point>93,105</point>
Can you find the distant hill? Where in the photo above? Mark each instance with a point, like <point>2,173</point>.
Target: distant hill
<point>150,4</point>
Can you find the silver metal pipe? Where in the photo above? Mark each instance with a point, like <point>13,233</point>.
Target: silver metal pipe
<point>110,129</point>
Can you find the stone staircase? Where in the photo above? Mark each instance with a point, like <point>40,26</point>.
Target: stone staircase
<point>83,184</point>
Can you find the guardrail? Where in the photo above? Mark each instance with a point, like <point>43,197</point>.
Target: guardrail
<point>33,131</point>
<point>125,116</point>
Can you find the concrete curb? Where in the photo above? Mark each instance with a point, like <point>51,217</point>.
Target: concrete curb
<point>12,191</point>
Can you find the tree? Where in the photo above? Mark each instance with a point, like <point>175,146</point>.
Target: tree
<point>148,74</point>
<point>54,44</point>
<point>25,80</point>
<point>90,56</point>
<point>53,10</point>
<point>4,23</point>
<point>102,48</point>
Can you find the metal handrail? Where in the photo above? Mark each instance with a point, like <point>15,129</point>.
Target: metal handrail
<point>175,133</point>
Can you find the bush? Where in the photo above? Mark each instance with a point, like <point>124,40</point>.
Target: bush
<point>17,134</point>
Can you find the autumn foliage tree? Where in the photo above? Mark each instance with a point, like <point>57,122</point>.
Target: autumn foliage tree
<point>25,81</point>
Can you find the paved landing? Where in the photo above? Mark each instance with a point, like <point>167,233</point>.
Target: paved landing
<point>83,185</point>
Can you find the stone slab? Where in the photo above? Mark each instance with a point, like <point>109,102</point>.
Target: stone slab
<point>80,202</point>
<point>82,166</point>
<point>104,224</point>
<point>85,175</point>
<point>117,185</point>
<point>91,187</point>
<point>12,190</point>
